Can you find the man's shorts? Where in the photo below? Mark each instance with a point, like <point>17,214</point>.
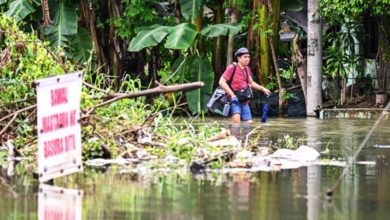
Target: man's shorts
<point>242,109</point>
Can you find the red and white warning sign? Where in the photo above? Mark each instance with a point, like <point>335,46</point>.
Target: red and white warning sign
<point>59,131</point>
<point>55,203</point>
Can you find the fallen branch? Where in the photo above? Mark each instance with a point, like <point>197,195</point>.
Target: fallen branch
<point>301,64</point>
<point>94,87</point>
<point>289,89</point>
<point>250,133</point>
<point>158,90</point>
<point>9,124</point>
<point>19,111</point>
<point>224,133</point>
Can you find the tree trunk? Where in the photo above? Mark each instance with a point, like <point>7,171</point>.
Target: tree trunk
<point>198,22</point>
<point>230,50</point>
<point>382,59</point>
<point>314,60</point>
<point>218,43</point>
<point>282,91</point>
<point>153,66</point>
<point>264,49</point>
<point>343,92</point>
<point>89,19</point>
<point>275,22</point>
<point>46,13</point>
<point>177,12</point>
<point>252,40</point>
<point>300,62</point>
<point>115,44</point>
<point>251,32</point>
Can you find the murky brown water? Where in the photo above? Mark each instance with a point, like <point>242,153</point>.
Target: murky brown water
<point>291,194</point>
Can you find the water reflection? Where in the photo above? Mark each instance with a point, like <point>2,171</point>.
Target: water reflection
<point>240,131</point>
<point>314,192</point>
<point>116,193</point>
<point>59,203</point>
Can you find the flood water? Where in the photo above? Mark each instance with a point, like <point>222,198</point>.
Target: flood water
<point>113,193</point>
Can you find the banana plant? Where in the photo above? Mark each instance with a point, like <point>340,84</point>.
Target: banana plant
<point>190,8</point>
<point>191,66</point>
<point>63,31</point>
<point>64,23</point>
<point>19,9</point>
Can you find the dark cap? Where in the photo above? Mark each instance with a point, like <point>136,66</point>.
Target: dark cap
<point>242,50</point>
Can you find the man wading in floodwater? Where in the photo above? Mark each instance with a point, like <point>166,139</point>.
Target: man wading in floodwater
<point>241,83</point>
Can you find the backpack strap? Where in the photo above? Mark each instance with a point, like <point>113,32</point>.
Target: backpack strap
<point>247,76</point>
<point>232,77</point>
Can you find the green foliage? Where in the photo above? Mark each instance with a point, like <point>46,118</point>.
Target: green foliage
<point>287,73</point>
<point>148,37</point>
<point>271,85</point>
<point>136,13</point>
<point>92,149</point>
<point>19,9</point>
<point>333,10</point>
<point>287,96</point>
<point>190,9</point>
<point>217,30</point>
<point>289,142</point>
<point>189,67</point>
<point>3,158</point>
<point>80,45</point>
<point>201,70</point>
<point>63,32</point>
<point>181,36</point>
<point>25,59</point>
<point>340,54</point>
<point>65,23</point>
<point>179,69</point>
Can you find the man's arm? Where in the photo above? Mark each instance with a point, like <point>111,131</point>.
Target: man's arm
<point>226,87</point>
<point>256,86</point>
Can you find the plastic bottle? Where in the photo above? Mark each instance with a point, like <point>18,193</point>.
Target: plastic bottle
<point>226,109</point>
<point>265,112</point>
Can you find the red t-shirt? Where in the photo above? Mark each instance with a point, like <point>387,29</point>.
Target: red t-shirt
<point>240,81</point>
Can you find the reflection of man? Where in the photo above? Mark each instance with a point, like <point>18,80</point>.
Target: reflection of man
<point>242,78</point>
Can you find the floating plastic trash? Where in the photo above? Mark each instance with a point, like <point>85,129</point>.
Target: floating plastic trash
<point>381,146</point>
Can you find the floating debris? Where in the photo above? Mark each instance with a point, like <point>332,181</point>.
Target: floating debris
<point>381,146</point>
<point>366,163</point>
<point>103,162</point>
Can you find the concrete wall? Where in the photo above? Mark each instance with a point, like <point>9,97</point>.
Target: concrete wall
<point>354,113</point>
<point>369,69</point>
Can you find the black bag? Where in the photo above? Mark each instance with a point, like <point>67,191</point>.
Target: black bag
<point>244,94</point>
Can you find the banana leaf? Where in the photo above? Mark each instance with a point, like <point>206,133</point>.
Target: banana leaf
<point>64,22</point>
<point>190,9</point>
<point>148,37</point>
<point>20,9</point>
<point>200,70</point>
<point>217,30</point>
<point>181,36</point>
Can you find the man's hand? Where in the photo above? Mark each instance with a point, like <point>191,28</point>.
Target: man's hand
<point>266,91</point>
<point>235,100</point>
